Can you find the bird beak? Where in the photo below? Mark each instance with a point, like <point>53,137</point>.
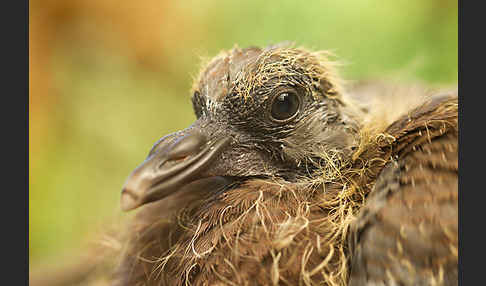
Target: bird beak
<point>175,161</point>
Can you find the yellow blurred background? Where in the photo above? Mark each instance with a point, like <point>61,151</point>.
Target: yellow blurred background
<point>108,78</point>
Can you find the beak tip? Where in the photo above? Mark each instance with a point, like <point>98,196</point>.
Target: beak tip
<point>128,201</point>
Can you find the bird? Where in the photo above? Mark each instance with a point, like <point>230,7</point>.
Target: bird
<point>286,178</point>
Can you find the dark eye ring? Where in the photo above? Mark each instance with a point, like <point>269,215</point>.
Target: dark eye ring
<point>285,106</point>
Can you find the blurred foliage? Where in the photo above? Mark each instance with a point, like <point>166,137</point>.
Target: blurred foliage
<point>108,78</point>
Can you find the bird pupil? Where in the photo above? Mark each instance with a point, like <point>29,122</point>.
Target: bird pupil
<point>284,106</point>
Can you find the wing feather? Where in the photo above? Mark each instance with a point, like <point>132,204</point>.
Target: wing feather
<point>407,233</point>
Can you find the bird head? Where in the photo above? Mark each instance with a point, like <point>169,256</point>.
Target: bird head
<point>276,112</point>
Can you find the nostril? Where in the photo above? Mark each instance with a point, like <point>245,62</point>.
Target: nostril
<point>171,161</point>
<point>164,141</point>
<point>178,159</point>
<point>186,146</point>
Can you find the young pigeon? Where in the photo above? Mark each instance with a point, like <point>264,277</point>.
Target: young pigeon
<point>285,179</point>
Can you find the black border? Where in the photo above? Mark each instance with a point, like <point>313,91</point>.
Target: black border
<point>471,141</point>
<point>14,134</point>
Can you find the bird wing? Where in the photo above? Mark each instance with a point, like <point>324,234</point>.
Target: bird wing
<point>406,234</point>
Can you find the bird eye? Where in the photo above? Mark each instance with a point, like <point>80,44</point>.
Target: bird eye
<point>285,105</point>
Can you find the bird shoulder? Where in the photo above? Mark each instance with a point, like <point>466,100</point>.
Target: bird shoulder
<point>406,233</point>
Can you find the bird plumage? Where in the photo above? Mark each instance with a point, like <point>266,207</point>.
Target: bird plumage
<point>328,195</point>
<point>406,233</point>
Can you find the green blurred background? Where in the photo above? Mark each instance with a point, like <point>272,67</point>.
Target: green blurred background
<point>108,78</point>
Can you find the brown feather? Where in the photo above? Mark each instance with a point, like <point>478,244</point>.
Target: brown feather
<point>273,232</point>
